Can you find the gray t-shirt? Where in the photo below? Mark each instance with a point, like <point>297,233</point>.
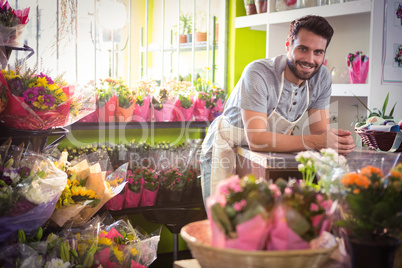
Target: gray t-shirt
<point>259,86</point>
<point>258,90</point>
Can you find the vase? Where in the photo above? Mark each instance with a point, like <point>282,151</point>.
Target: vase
<point>200,36</point>
<point>377,252</point>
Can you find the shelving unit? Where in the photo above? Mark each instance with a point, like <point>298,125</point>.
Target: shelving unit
<point>276,25</point>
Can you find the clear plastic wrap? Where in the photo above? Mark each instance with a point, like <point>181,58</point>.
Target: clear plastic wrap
<point>91,185</point>
<point>32,184</point>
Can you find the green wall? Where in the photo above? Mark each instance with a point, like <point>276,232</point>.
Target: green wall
<point>244,45</point>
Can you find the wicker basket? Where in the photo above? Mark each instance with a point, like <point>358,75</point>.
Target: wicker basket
<point>379,139</point>
<point>197,235</point>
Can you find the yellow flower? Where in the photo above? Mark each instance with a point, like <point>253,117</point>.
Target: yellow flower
<point>51,87</point>
<point>105,241</point>
<point>118,253</point>
<point>41,81</point>
<point>134,251</point>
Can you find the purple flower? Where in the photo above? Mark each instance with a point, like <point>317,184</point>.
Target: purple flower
<point>7,180</point>
<point>49,80</point>
<point>48,100</point>
<point>30,95</point>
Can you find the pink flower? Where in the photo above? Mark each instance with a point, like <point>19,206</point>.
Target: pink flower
<point>274,188</point>
<point>313,207</point>
<point>319,198</point>
<point>239,205</point>
<point>288,191</point>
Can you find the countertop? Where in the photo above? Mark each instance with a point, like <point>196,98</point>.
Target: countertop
<point>359,157</point>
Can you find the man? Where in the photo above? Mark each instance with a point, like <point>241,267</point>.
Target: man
<point>270,98</point>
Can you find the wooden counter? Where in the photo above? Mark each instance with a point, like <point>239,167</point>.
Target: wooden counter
<point>276,165</point>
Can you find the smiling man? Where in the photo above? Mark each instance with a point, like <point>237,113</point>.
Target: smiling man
<point>270,98</point>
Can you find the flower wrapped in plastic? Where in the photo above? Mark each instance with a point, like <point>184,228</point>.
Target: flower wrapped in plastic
<point>102,242</point>
<point>163,104</point>
<point>107,100</point>
<point>12,24</point>
<point>184,105</point>
<point>87,190</point>
<point>37,102</point>
<point>201,107</point>
<point>143,91</point>
<point>358,65</point>
<point>218,102</point>
<point>125,102</point>
<point>172,183</point>
<point>150,178</point>
<point>133,191</point>
<point>30,187</point>
<point>302,214</point>
<point>239,213</point>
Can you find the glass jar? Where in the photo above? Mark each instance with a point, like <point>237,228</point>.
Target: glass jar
<point>282,5</point>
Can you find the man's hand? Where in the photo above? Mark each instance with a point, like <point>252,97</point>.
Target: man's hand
<point>339,140</point>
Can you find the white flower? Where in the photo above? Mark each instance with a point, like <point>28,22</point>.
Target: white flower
<point>301,167</point>
<point>57,263</point>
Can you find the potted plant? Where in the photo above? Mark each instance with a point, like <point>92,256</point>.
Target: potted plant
<point>250,7</point>
<point>186,22</point>
<point>201,28</point>
<point>371,210</point>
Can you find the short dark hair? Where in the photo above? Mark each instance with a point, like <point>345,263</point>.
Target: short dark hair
<point>315,24</point>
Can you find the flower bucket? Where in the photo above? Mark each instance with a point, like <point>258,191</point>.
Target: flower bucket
<point>141,112</point>
<point>148,198</point>
<point>107,110</point>
<point>379,252</point>
<point>165,114</point>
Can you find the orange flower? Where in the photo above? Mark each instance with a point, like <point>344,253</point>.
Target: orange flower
<point>359,180</point>
<point>370,170</point>
<point>356,191</point>
<point>396,174</point>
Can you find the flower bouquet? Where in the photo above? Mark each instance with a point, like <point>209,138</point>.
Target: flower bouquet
<point>162,105</point>
<point>37,102</point>
<point>201,111</point>
<point>102,242</point>
<point>371,209</point>
<point>12,24</point>
<point>133,190</point>
<point>3,99</point>
<point>88,189</point>
<point>239,213</point>
<point>358,65</point>
<point>184,106</point>
<point>30,186</point>
<point>107,100</point>
<point>301,215</point>
<point>125,102</point>
<point>143,90</point>
<point>218,102</point>
<point>150,178</point>
<point>327,165</point>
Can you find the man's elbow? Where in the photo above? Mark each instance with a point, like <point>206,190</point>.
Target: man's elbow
<point>256,143</point>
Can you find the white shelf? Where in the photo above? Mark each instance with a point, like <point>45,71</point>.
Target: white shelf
<point>347,90</point>
<point>256,22</point>
<point>341,9</point>
<point>259,21</point>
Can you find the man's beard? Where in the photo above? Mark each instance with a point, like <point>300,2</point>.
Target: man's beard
<point>302,75</point>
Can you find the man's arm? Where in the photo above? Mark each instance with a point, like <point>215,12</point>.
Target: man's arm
<point>259,139</point>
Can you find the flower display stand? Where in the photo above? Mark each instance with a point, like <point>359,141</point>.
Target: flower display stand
<point>35,140</point>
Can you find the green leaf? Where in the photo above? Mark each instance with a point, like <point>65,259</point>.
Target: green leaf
<point>384,107</point>
<point>365,106</point>
<point>392,111</point>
